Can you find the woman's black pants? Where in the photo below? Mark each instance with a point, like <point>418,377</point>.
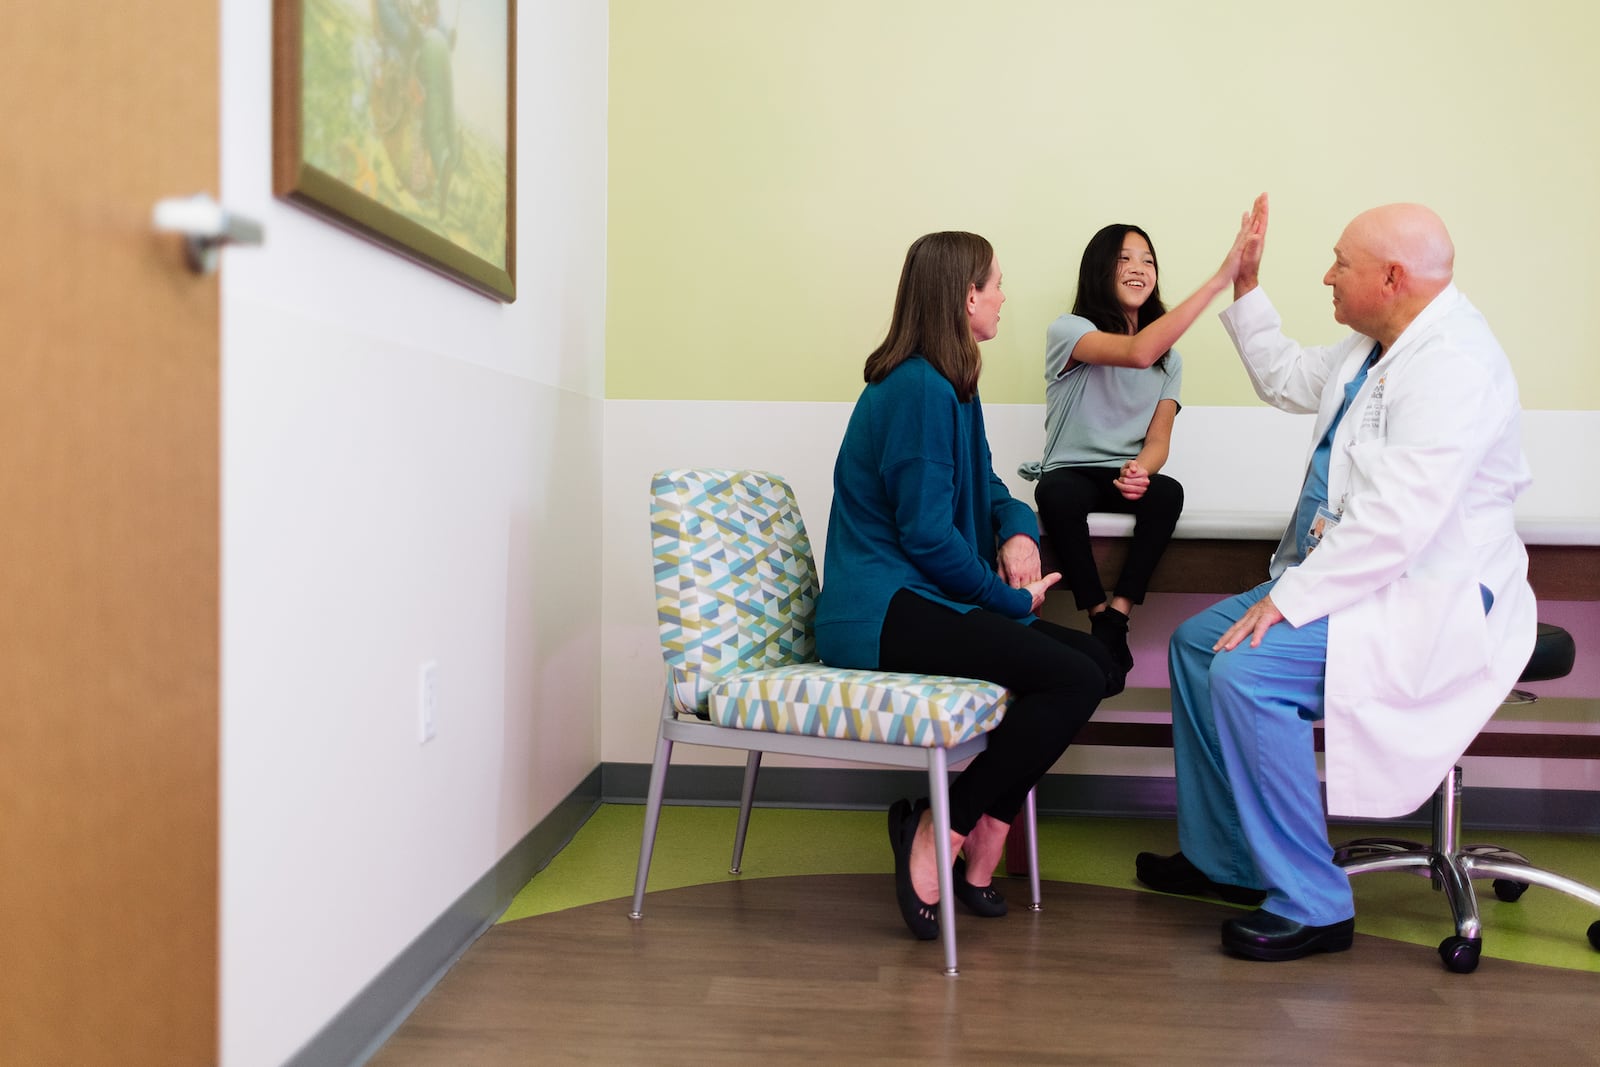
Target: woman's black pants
<point>1056,676</point>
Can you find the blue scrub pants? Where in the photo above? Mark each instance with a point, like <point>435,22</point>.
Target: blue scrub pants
<point>1250,808</point>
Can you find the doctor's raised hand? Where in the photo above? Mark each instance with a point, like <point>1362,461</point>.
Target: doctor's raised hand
<point>1405,627</point>
<point>1252,243</point>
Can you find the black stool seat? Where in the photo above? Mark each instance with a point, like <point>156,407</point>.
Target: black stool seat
<point>1553,656</point>
<point>1452,866</point>
<point>1554,653</point>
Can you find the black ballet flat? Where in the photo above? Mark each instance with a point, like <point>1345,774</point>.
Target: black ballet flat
<point>980,900</point>
<point>921,917</point>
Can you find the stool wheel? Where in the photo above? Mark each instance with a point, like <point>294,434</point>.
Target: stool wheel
<point>1509,891</point>
<point>1594,935</point>
<point>1460,954</point>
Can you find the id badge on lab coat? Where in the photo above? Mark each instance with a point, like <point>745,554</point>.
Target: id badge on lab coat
<point>1325,521</point>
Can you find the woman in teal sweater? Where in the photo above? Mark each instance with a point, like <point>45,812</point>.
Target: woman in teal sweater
<point>914,581</point>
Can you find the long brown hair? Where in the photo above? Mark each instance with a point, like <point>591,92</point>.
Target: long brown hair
<point>930,310</point>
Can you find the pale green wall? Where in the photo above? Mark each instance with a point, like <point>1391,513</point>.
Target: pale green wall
<point>770,162</point>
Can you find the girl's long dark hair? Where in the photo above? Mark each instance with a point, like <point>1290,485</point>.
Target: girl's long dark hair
<point>1097,283</point>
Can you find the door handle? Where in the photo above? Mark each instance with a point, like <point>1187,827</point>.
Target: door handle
<point>205,228</point>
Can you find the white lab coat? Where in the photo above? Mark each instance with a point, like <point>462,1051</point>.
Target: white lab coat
<point>1425,471</point>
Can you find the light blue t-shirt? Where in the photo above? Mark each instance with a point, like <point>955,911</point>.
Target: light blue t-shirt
<point>1097,416</point>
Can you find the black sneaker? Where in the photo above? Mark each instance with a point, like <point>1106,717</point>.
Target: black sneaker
<point>1175,874</point>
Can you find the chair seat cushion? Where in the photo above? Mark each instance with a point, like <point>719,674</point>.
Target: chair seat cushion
<point>816,700</point>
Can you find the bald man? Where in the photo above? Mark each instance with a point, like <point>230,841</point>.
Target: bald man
<point>1398,608</point>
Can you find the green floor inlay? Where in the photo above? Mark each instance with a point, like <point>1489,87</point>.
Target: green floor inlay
<point>694,846</point>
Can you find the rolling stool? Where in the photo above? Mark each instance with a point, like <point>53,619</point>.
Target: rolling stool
<point>1452,866</point>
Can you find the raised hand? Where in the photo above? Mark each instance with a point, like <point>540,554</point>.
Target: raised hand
<point>1246,248</point>
<point>1251,244</point>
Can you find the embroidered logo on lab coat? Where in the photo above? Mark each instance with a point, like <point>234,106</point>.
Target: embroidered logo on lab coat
<point>1372,416</point>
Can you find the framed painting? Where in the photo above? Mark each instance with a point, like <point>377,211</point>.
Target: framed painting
<point>397,120</point>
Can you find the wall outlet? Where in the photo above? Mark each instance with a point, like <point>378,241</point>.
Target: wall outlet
<point>427,700</point>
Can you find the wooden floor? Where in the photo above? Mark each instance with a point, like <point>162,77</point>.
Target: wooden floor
<point>819,969</point>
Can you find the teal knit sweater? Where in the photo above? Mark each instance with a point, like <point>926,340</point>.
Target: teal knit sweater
<point>916,505</point>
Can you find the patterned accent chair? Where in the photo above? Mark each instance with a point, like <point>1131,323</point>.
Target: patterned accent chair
<point>735,591</point>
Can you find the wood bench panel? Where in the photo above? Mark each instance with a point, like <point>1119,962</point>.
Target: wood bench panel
<point>1564,572</point>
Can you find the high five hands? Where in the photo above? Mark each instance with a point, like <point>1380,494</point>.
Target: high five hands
<point>1243,262</point>
<point>1248,246</point>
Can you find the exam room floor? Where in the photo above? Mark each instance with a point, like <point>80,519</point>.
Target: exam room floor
<point>803,957</point>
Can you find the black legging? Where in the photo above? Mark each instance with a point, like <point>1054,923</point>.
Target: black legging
<point>1066,495</point>
<point>1056,676</point>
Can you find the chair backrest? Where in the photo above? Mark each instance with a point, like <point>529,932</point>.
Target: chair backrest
<point>736,586</point>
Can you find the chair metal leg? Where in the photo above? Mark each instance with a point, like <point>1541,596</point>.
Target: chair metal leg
<point>1454,866</point>
<point>939,801</point>
<point>1492,861</point>
<point>1440,860</point>
<point>652,814</point>
<point>1366,854</point>
<point>1397,860</point>
<point>1487,867</point>
<point>1452,877</point>
<point>747,796</point>
<point>1030,815</point>
<point>1447,813</point>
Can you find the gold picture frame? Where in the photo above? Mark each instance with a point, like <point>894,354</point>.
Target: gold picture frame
<point>396,119</point>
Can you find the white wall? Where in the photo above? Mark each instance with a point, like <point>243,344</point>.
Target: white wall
<point>410,472</point>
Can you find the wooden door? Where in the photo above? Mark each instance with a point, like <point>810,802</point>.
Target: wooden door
<point>108,538</point>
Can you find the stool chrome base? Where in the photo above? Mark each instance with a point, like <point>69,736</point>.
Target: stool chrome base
<point>1452,868</point>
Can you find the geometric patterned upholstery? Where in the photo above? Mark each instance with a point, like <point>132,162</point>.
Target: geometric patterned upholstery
<point>736,589</point>
<point>822,701</point>
<point>735,584</point>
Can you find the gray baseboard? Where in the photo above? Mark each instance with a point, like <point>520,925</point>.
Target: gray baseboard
<point>362,1026</point>
<point>1118,796</point>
